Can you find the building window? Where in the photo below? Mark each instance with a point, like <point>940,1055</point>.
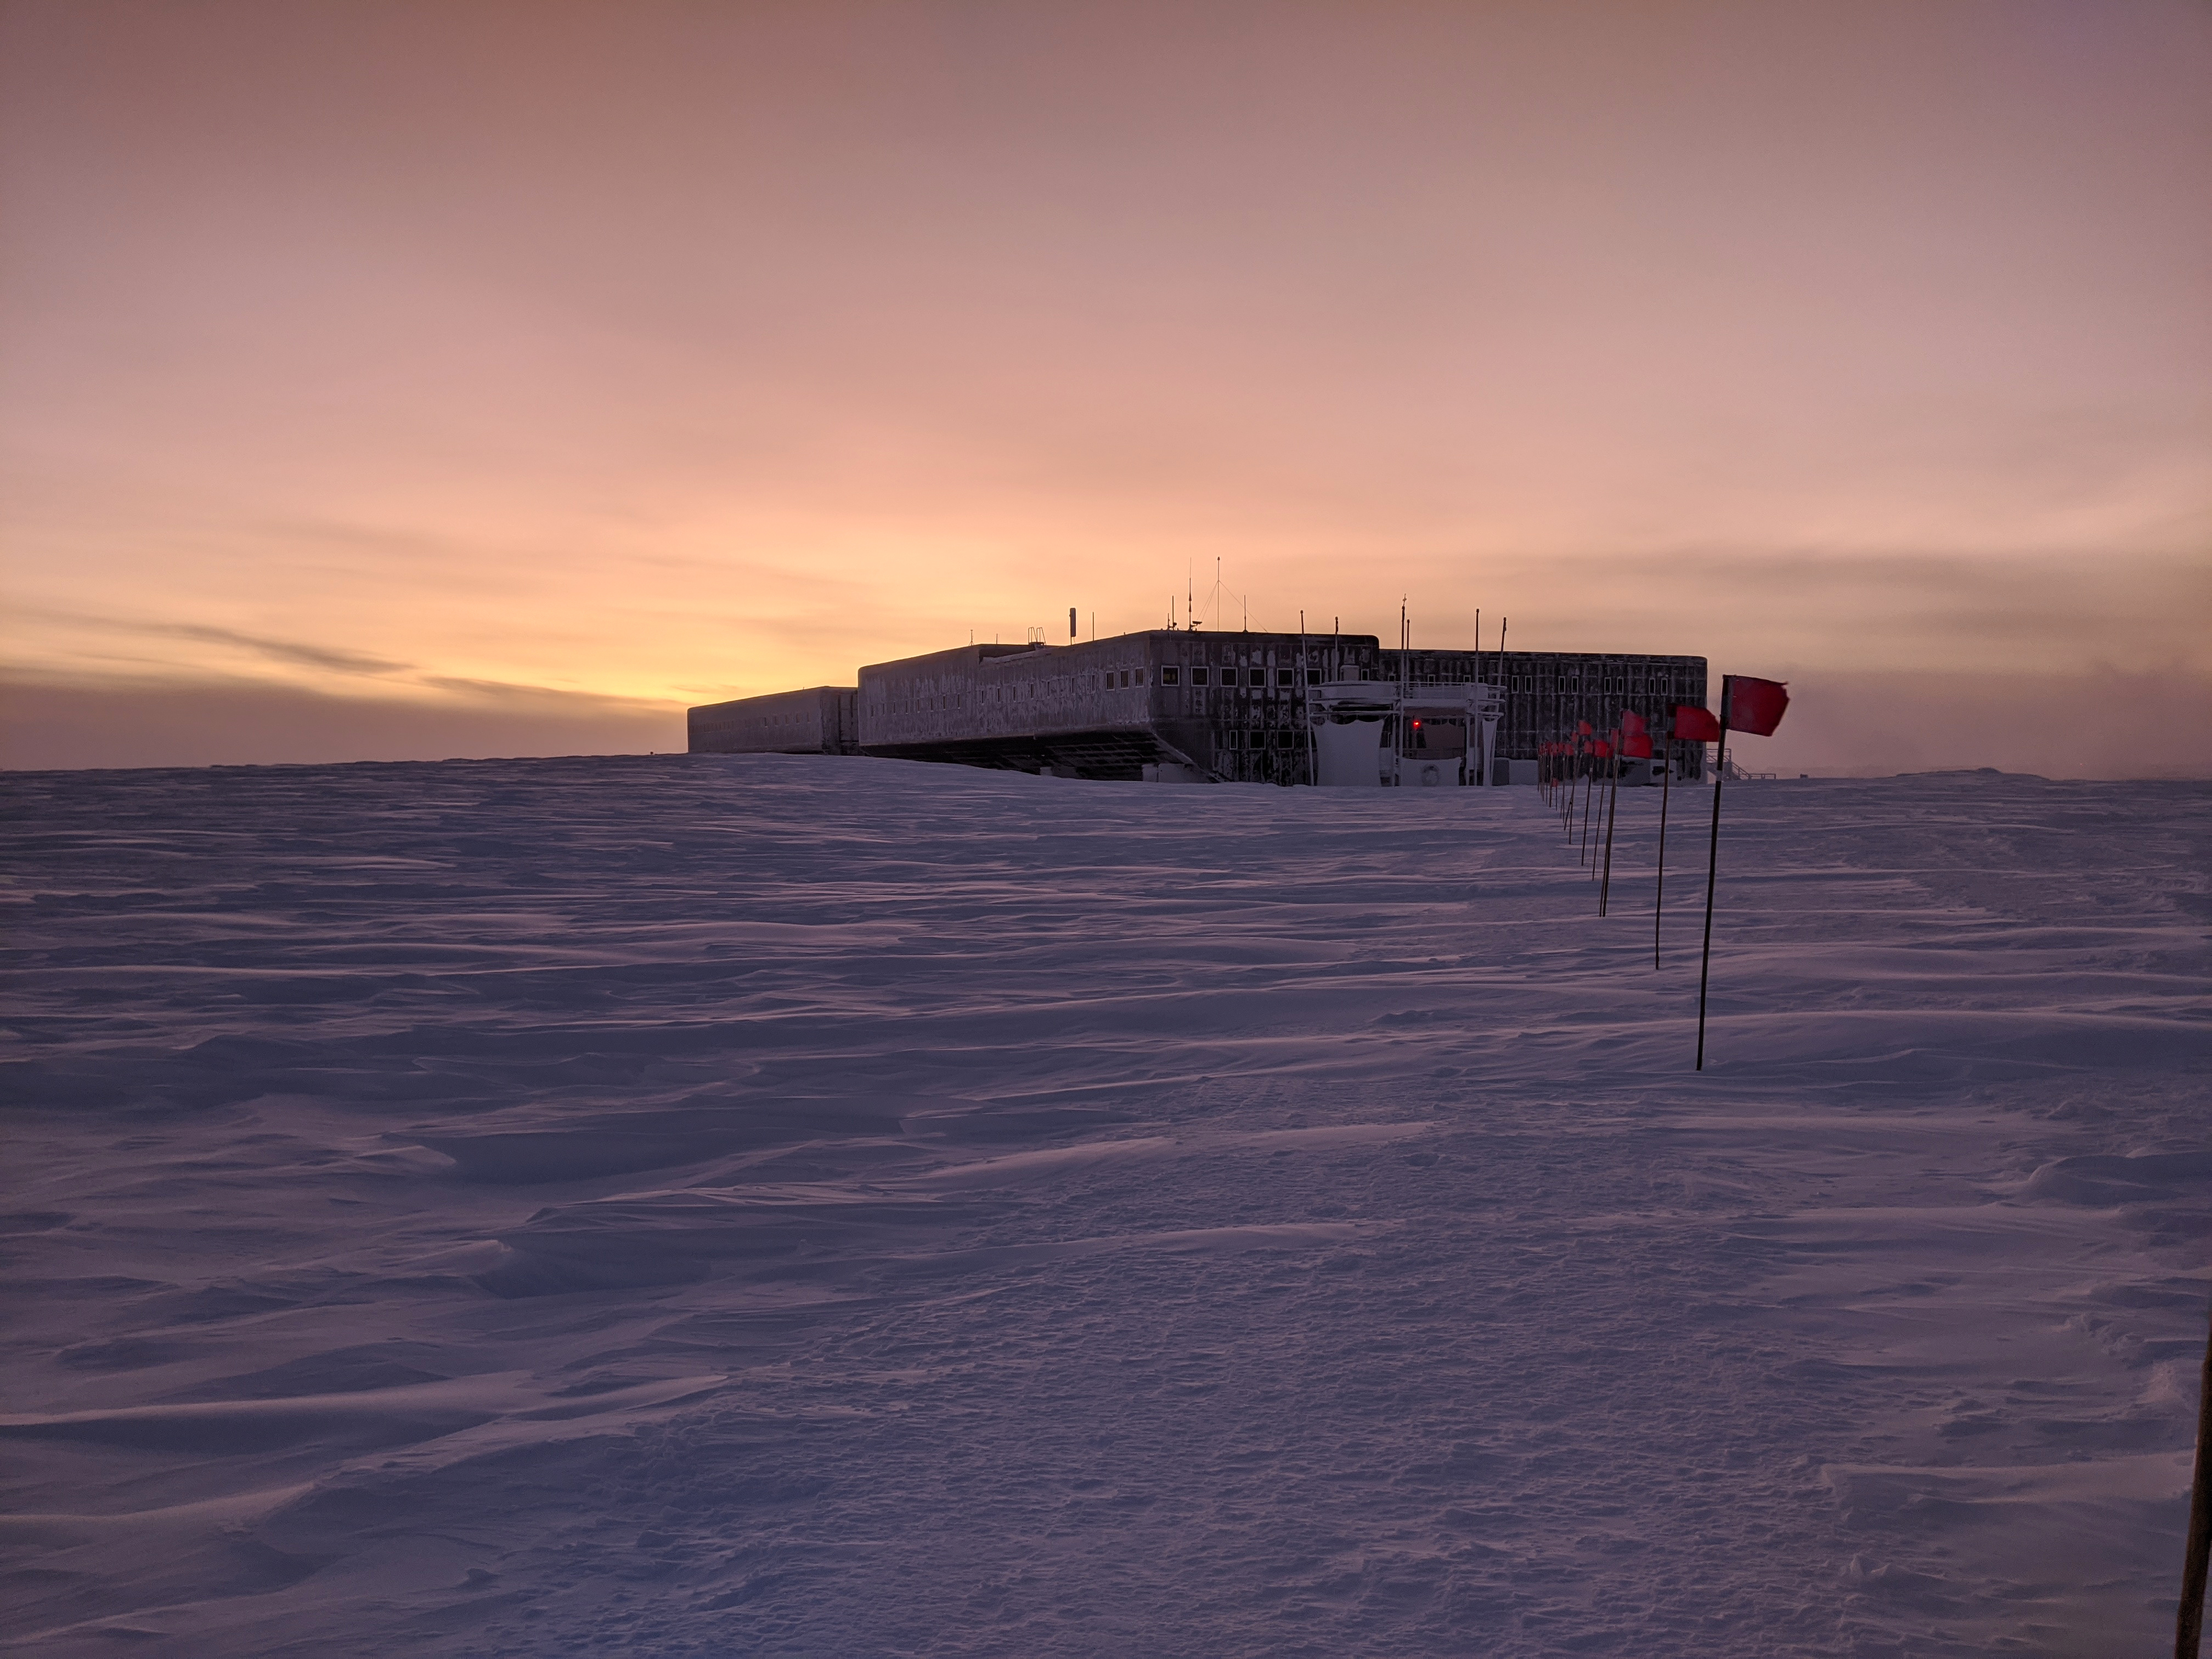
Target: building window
<point>1197,674</point>
<point>1171,675</point>
<point>1313,677</point>
<point>1286,677</point>
<point>1259,677</point>
<point>1141,676</point>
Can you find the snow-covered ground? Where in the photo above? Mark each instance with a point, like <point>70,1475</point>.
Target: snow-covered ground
<point>767,1206</point>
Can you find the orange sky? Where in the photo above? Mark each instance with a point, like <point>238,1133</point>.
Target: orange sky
<point>513,374</point>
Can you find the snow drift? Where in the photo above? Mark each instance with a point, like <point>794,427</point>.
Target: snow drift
<point>705,1204</point>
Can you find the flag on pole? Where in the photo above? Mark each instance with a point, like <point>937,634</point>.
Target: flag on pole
<point>1760,704</point>
<point>1755,706</point>
<point>1632,722</point>
<point>1696,725</point>
<point>1636,745</point>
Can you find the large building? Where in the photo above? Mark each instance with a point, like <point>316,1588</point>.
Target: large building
<point>1177,702</point>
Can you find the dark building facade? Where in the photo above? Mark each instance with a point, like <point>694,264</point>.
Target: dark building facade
<point>1548,693</point>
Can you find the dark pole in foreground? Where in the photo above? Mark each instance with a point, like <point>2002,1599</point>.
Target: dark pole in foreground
<point>1589,788</point>
<point>1659,900</point>
<point>1611,816</point>
<point>1712,870</point>
<point>2189,1624</point>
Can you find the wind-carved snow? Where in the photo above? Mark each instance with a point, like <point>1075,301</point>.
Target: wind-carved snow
<point>776,1205</point>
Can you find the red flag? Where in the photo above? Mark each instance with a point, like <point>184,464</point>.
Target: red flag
<point>1585,729</point>
<point>1696,725</point>
<point>1632,722</point>
<point>1636,745</point>
<point>1601,749</point>
<point>1755,706</point>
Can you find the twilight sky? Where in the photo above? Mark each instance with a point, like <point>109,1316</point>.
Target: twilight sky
<point>382,380</point>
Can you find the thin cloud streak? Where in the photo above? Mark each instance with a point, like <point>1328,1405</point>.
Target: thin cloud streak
<point>325,658</point>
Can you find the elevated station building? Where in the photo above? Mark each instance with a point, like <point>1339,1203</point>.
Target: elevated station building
<point>1224,706</point>
<point>1227,707</point>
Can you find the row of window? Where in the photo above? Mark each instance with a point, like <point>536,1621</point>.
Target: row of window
<point>1285,678</point>
<point>1113,679</point>
<point>1568,685</point>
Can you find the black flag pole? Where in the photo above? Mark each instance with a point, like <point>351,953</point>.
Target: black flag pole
<point>1712,866</point>
<point>1612,817</point>
<point>2196,1554</point>
<point>1659,899</point>
<point>1589,788</point>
